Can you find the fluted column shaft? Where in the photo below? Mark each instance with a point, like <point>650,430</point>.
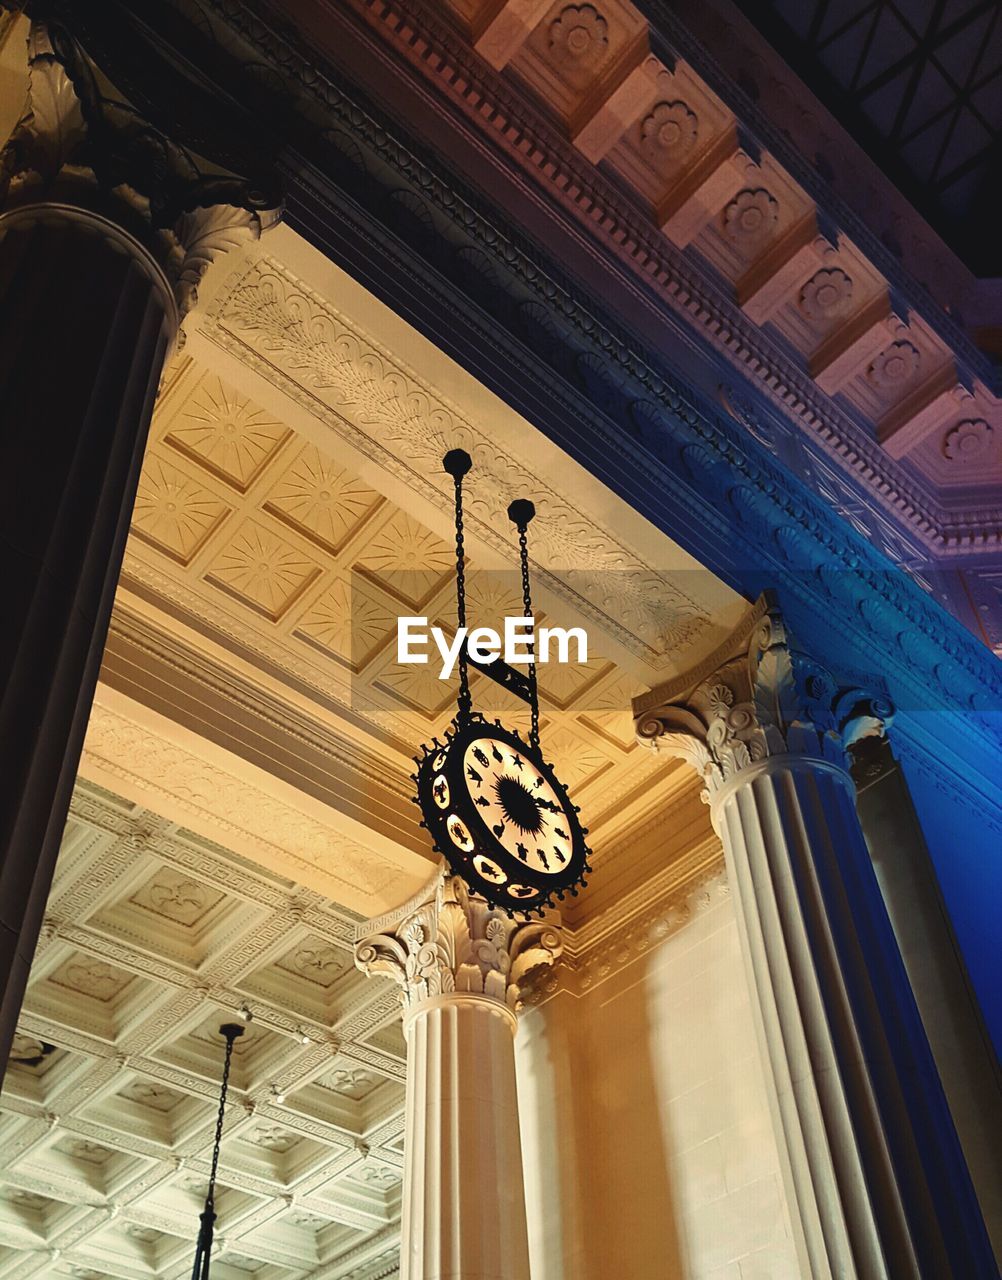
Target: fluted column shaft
<point>106,227</point>
<point>460,964</point>
<point>845,1047</point>
<point>85,325</point>
<point>878,1184</point>
<point>463,1196</point>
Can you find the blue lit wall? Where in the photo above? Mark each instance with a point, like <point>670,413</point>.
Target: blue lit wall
<point>965,845</point>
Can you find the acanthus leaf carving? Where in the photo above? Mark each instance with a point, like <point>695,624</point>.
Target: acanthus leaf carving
<point>454,941</point>
<point>79,142</point>
<point>765,699</point>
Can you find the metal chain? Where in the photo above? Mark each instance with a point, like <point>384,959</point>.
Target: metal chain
<point>219,1121</point>
<point>465,701</point>
<point>523,550</point>
<point>207,1218</point>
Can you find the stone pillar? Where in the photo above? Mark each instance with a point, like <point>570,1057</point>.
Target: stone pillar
<point>460,964</point>
<point>876,1179</point>
<point>105,229</point>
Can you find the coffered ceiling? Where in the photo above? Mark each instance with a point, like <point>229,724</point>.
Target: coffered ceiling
<point>153,938</point>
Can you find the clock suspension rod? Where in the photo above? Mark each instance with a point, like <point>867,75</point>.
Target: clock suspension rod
<point>457,462</point>
<point>520,512</point>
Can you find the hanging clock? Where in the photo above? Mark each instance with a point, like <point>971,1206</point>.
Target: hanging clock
<point>494,807</point>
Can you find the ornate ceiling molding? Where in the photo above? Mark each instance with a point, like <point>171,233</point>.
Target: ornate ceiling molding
<point>531,143</point>
<point>664,433</point>
<point>297,339</point>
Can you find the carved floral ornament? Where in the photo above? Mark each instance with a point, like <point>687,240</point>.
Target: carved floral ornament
<point>770,700</point>
<point>894,366</point>
<point>455,942</point>
<point>826,294</point>
<point>968,441</point>
<point>670,129</point>
<point>579,33</point>
<point>751,215</point>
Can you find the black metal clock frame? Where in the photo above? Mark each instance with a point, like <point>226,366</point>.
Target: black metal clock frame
<point>450,791</point>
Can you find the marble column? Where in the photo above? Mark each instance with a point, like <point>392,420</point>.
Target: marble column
<point>106,227</point>
<point>460,964</point>
<point>876,1179</point>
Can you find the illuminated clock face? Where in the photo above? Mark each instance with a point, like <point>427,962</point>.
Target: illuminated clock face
<point>522,809</point>
<point>501,817</point>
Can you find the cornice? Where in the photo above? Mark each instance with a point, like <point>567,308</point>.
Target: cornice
<point>613,221</point>
<point>669,29</point>
<point>165,650</point>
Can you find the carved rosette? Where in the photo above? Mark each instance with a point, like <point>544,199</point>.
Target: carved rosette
<point>764,699</point>
<point>968,441</point>
<point>81,146</point>
<point>450,940</point>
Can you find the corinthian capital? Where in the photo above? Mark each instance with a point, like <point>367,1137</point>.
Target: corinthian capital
<point>447,939</point>
<point>80,143</point>
<point>759,696</point>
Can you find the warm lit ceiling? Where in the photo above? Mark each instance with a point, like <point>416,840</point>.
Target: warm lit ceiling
<point>291,506</point>
<point>245,794</point>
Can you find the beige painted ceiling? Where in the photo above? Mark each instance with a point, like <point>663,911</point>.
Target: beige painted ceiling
<point>292,505</point>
